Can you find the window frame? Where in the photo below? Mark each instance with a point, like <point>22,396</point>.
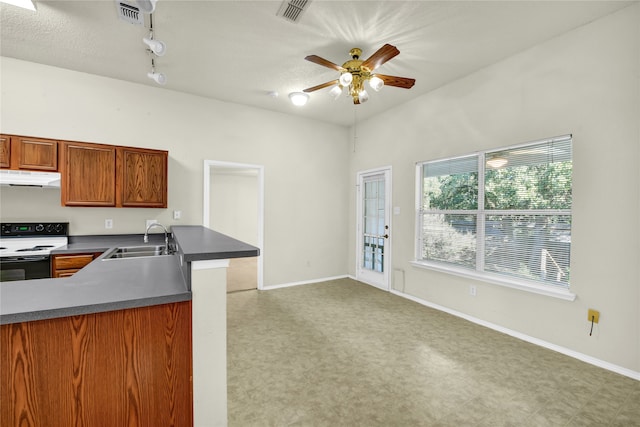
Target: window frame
<point>562,292</point>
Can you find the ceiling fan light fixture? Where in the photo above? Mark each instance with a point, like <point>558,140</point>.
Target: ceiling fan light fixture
<point>346,78</point>
<point>298,98</point>
<point>363,96</point>
<point>376,83</point>
<point>336,91</point>
<point>159,78</point>
<point>158,47</point>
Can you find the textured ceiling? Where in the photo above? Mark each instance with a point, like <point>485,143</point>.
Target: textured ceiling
<point>239,51</point>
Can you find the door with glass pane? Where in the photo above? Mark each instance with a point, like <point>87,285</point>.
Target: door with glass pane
<point>374,201</point>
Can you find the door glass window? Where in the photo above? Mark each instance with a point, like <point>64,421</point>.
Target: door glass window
<point>374,223</point>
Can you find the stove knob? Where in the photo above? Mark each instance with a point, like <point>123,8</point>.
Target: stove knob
<point>58,228</point>
<point>49,228</point>
<point>39,227</point>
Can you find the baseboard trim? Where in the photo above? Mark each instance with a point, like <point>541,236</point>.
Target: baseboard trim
<point>304,282</point>
<point>563,350</point>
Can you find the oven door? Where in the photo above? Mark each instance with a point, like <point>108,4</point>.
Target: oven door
<point>25,268</point>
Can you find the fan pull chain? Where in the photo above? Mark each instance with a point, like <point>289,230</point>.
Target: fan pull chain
<point>355,128</point>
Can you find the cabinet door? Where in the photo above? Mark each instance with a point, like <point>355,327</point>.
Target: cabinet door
<point>143,177</point>
<point>5,151</point>
<point>36,153</point>
<point>89,174</point>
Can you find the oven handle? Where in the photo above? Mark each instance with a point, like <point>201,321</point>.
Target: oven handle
<point>25,258</point>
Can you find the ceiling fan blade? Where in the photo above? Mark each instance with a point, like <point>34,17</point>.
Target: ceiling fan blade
<point>403,82</point>
<point>321,86</point>
<point>325,63</point>
<point>381,56</point>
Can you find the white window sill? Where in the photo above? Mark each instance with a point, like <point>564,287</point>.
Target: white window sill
<point>522,285</point>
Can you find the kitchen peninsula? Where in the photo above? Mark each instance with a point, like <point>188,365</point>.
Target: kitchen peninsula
<point>121,340</point>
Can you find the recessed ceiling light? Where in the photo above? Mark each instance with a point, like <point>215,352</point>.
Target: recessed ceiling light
<point>25,4</point>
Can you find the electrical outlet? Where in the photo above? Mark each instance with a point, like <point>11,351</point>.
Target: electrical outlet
<point>149,222</point>
<point>593,315</point>
<point>108,223</point>
<point>472,290</point>
<point>177,214</point>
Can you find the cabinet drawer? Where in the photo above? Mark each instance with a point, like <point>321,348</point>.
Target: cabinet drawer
<point>66,262</point>
<point>65,273</point>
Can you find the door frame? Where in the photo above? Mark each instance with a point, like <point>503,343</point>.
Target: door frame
<point>387,171</point>
<point>206,203</point>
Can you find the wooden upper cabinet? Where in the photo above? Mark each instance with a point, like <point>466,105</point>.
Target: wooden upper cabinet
<point>142,177</point>
<point>5,151</point>
<point>22,152</point>
<point>35,153</point>
<point>88,174</point>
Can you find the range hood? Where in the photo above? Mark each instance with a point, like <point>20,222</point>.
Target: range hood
<point>30,178</point>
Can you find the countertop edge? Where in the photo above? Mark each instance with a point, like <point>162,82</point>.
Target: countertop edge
<point>33,316</point>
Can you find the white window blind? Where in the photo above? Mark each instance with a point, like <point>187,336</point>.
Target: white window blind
<point>512,219</point>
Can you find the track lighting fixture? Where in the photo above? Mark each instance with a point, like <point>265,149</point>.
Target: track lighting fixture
<point>157,48</point>
<point>147,6</point>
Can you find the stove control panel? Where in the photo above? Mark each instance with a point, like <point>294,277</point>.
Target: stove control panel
<point>34,229</point>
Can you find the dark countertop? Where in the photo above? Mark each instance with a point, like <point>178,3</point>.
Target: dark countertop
<point>199,243</point>
<point>106,285</point>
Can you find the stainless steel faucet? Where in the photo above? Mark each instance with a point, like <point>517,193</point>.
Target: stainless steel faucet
<point>166,236</point>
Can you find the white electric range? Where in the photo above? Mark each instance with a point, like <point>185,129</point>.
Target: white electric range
<point>25,249</point>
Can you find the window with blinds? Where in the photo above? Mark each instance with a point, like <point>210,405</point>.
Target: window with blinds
<point>503,212</point>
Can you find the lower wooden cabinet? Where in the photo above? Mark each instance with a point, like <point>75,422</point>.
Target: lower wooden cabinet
<point>68,264</point>
<point>119,368</point>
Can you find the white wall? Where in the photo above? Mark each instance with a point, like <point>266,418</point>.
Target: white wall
<point>586,83</point>
<point>234,203</point>
<point>300,196</point>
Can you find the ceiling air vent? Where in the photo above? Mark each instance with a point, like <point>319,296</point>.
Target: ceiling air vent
<point>129,13</point>
<point>291,10</point>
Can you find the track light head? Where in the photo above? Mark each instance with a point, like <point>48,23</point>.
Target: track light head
<point>147,6</point>
<point>156,46</point>
<point>159,78</point>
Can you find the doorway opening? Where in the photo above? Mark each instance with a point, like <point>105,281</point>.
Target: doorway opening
<point>233,204</point>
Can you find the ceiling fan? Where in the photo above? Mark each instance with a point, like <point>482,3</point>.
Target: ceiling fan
<point>355,72</point>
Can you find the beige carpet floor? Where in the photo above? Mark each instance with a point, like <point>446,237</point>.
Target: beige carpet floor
<point>342,353</point>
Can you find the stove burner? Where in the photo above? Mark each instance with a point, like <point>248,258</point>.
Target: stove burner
<point>35,248</point>
<point>2,248</point>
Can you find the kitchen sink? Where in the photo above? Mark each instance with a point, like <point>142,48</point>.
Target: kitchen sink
<point>138,251</point>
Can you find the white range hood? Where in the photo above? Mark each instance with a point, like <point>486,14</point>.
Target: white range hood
<point>30,178</point>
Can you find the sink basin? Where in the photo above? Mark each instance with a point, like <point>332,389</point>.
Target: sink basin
<point>138,251</point>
